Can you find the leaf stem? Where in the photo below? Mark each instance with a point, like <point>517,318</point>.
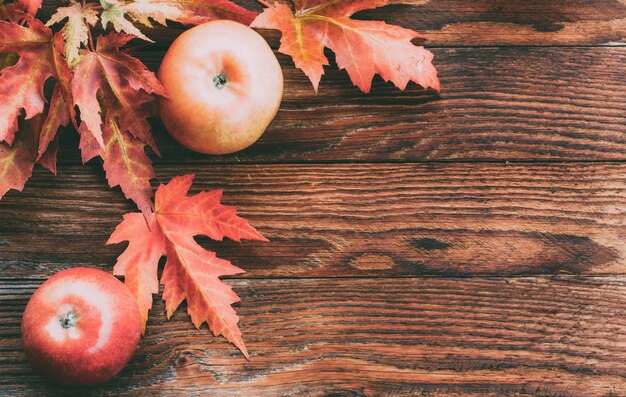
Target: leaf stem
<point>91,45</point>
<point>265,3</point>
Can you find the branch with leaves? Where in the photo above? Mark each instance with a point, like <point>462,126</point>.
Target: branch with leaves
<point>108,96</point>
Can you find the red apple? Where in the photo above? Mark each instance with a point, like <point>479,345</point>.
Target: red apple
<point>224,85</point>
<point>81,327</point>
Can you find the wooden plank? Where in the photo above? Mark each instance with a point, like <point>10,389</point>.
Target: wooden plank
<point>345,220</point>
<point>532,336</point>
<point>497,104</point>
<point>517,22</point>
<point>483,22</point>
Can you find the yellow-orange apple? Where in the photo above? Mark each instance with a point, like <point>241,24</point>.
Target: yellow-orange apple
<point>224,85</point>
<point>81,327</point>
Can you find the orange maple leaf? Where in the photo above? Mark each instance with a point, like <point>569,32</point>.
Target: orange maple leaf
<point>363,48</point>
<point>191,273</point>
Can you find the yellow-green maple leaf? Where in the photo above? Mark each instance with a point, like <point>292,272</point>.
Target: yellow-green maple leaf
<point>143,10</point>
<point>187,12</point>
<point>76,30</point>
<point>115,13</point>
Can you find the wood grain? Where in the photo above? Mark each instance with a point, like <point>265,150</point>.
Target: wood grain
<point>497,104</point>
<point>517,22</point>
<point>482,22</point>
<point>368,337</point>
<point>346,220</point>
<point>399,260</point>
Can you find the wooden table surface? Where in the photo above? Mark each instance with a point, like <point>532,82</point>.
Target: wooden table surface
<point>468,243</point>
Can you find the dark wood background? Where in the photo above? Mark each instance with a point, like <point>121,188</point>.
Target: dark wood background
<point>468,243</point>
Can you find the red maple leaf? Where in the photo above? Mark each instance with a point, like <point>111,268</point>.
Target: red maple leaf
<point>39,58</point>
<point>30,6</point>
<point>11,12</point>
<point>58,116</point>
<point>26,78</point>
<point>113,91</point>
<point>191,273</point>
<point>363,48</point>
<point>17,161</point>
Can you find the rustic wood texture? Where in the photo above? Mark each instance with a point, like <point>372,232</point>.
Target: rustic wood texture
<point>527,336</point>
<point>496,104</point>
<point>407,258</point>
<point>347,220</point>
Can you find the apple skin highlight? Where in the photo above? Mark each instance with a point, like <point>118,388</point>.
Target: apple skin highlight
<point>224,84</point>
<point>81,327</point>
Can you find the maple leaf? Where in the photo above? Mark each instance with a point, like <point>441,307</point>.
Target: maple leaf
<point>9,12</point>
<point>58,116</point>
<point>60,110</point>
<point>139,262</point>
<point>30,6</point>
<point>363,48</point>
<point>26,78</point>
<point>38,58</point>
<point>14,11</point>
<point>48,159</point>
<point>113,91</point>
<point>116,16</point>
<point>191,273</point>
<point>143,11</point>
<point>17,161</point>
<point>127,165</point>
<point>76,30</point>
<point>34,57</point>
<point>185,11</point>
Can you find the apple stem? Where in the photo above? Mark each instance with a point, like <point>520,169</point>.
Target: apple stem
<point>220,81</point>
<point>68,320</point>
